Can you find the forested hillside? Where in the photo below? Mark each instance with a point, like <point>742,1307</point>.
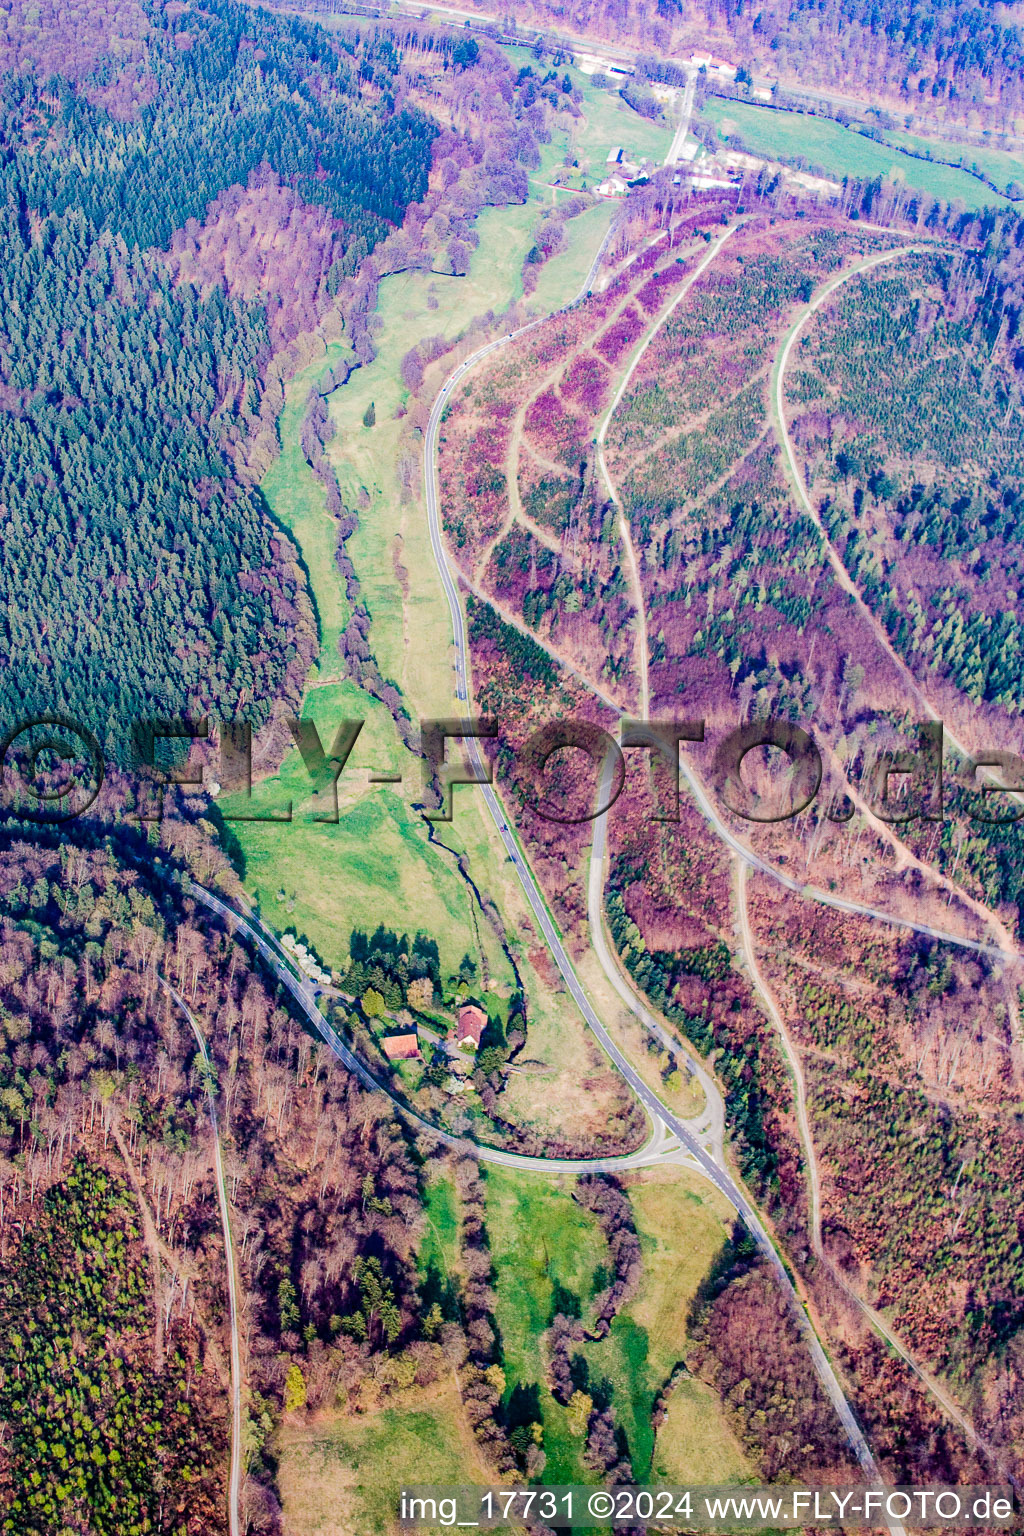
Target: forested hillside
<point>956,60</point>
<point>96,1430</point>
<point>126,399</point>
<point>112,1272</point>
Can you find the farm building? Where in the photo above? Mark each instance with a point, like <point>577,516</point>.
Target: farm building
<point>401,1047</point>
<point>472,1023</point>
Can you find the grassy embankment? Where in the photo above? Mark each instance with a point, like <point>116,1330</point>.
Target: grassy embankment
<point>606,122</point>
<point>841,151</point>
<point>377,864</point>
<point>440,1245</point>
<point>340,1475</point>
<point>539,1238</point>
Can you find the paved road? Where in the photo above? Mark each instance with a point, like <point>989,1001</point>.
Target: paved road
<point>661,1147</point>
<point>717,1174</point>
<point>676,150</point>
<point>659,1150</point>
<point>235,1477</point>
<point>713,1170</point>
<point>709,1126</point>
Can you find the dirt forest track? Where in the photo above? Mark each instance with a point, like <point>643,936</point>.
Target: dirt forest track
<point>715,1171</point>
<point>235,1526</point>
<point>1004,944</point>
<point>699,1145</point>
<point>305,996</point>
<point>747,858</point>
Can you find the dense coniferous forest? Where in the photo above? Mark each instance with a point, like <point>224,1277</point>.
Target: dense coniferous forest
<point>137,571</point>
<point>123,396</point>
<point>233,88</point>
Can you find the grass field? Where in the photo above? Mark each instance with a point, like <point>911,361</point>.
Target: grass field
<point>540,1236</point>
<point>566,271</point>
<point>695,1444</point>
<point>682,1224</point>
<point>440,1245</point>
<point>840,151</point>
<point>999,165</point>
<point>340,1475</point>
<point>606,120</point>
<point>297,500</point>
<point>411,631</point>
<point>375,865</point>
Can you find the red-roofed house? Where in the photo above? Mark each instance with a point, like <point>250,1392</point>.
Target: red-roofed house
<point>472,1023</point>
<point>401,1047</point>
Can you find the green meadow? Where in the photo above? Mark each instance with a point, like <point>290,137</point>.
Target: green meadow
<point>440,1244</point>
<point>682,1224</point>
<point>377,864</point>
<point>1000,165</point>
<point>340,1475</point>
<point>541,1238</point>
<point>606,122</point>
<point>840,151</point>
<point>297,499</point>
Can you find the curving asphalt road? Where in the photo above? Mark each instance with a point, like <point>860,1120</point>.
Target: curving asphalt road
<point>671,1139</point>
<point>235,1477</point>
<point>658,1150</point>
<point>675,153</point>
<point>661,1147</point>
<point>717,1174</point>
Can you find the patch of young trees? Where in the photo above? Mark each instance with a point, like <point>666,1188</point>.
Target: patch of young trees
<point>124,397</point>
<point>325,1194</point>
<point>99,1436</point>
<point>926,1190</point>
<point>590,1404</point>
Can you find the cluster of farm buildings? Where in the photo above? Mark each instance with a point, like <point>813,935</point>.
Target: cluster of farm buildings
<point>471,1023</point>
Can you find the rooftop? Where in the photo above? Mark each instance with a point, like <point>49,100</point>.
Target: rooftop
<point>401,1047</point>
